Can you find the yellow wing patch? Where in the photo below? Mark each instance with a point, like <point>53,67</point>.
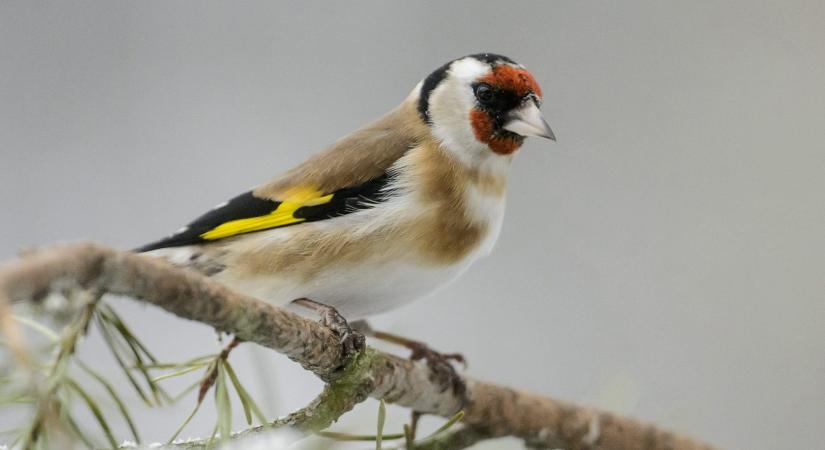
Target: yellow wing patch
<point>283,215</point>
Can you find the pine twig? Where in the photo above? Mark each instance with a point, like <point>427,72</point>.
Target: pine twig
<point>498,410</point>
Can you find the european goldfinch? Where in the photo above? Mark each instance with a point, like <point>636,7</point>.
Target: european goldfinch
<point>385,215</point>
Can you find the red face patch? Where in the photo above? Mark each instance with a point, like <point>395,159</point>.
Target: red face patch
<point>505,78</point>
<point>483,129</point>
<point>512,79</point>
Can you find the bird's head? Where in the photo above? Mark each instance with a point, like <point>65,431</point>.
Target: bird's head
<point>482,103</point>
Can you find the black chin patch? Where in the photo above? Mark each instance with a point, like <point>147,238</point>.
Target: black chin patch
<point>507,134</point>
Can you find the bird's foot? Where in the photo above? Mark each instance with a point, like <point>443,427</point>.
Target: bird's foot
<point>440,364</point>
<point>441,367</point>
<point>351,340</point>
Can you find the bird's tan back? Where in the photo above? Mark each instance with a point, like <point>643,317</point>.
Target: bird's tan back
<point>354,159</point>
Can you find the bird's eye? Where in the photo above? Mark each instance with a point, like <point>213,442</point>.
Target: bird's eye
<point>484,93</point>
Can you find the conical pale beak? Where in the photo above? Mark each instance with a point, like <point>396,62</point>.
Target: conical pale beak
<point>527,121</point>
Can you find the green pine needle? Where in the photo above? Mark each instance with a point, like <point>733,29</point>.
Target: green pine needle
<point>186,391</point>
<point>409,439</point>
<point>124,411</point>
<point>114,347</point>
<point>37,326</point>
<point>95,409</point>
<point>247,402</point>
<point>452,421</point>
<point>382,417</point>
<point>178,373</point>
<point>223,405</point>
<point>185,423</point>
<point>358,437</point>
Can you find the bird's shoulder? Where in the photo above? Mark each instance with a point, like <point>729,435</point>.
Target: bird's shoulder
<point>356,158</point>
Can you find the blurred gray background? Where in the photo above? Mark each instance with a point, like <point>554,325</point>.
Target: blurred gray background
<point>664,259</point>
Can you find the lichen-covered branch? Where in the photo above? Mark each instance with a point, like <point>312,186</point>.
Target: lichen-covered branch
<point>499,411</point>
<point>181,292</point>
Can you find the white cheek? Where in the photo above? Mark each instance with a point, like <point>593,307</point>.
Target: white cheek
<point>451,122</point>
<point>450,106</point>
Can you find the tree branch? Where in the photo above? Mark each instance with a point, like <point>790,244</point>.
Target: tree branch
<point>499,411</point>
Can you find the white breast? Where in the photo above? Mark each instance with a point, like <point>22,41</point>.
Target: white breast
<point>374,289</point>
<point>488,209</point>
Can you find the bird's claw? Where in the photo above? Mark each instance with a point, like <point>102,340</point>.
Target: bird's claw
<point>351,341</point>
<point>441,367</point>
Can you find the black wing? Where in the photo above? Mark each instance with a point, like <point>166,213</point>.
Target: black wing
<point>247,208</point>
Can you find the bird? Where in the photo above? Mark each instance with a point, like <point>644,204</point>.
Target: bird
<point>385,215</point>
